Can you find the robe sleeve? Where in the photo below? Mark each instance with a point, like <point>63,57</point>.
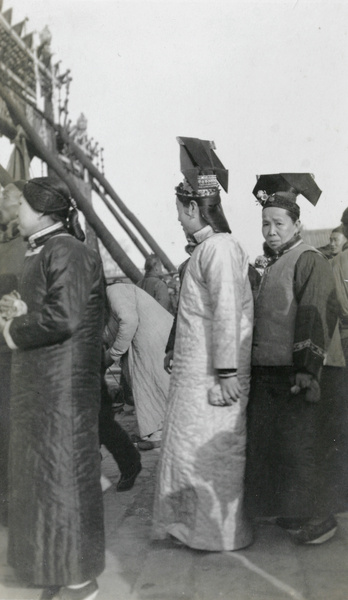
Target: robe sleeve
<point>316,316</point>
<point>223,272</point>
<point>71,273</point>
<point>124,309</point>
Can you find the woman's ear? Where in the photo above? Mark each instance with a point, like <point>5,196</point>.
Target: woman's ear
<point>193,208</point>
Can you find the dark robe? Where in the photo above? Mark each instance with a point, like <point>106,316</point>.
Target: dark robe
<point>285,451</point>
<point>56,532</point>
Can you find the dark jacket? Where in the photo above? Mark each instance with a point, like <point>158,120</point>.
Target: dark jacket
<point>153,285</point>
<point>56,514</point>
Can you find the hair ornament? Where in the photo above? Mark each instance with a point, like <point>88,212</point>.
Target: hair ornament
<point>262,196</point>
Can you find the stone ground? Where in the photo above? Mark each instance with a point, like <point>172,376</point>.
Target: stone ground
<point>273,568</point>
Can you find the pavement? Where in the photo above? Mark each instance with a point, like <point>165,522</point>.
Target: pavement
<point>273,568</point>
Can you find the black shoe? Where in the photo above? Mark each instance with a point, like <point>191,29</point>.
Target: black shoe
<point>291,524</point>
<point>127,479</point>
<point>317,533</point>
<point>148,444</point>
<point>87,592</point>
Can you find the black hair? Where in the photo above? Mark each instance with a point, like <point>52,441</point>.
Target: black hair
<point>51,196</point>
<point>151,261</point>
<point>292,216</point>
<point>212,214</point>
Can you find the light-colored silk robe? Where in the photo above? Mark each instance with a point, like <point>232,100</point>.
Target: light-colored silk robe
<point>199,494</point>
<point>142,329</point>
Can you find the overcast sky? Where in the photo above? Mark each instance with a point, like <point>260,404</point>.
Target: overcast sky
<point>267,81</point>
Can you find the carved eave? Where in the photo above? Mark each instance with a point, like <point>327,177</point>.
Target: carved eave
<point>20,68</point>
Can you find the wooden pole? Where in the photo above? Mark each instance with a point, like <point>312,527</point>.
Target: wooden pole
<point>112,246</point>
<point>121,221</point>
<point>5,177</point>
<point>94,172</point>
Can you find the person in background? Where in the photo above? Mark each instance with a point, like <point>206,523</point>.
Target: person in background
<point>135,337</point>
<point>117,441</point>
<point>12,250</point>
<point>336,243</point>
<point>295,317</point>
<point>152,282</point>
<point>56,529</point>
<point>337,240</point>
<point>199,490</point>
<point>340,271</point>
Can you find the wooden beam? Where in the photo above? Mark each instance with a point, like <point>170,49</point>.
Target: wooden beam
<point>94,172</point>
<point>120,220</point>
<point>5,177</point>
<point>112,246</point>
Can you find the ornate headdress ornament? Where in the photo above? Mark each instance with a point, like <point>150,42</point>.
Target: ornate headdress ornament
<point>202,170</point>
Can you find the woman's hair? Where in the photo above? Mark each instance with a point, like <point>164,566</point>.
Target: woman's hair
<point>52,197</point>
<point>212,214</point>
<point>292,216</point>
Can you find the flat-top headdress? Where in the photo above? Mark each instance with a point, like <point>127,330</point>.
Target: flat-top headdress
<point>202,170</point>
<point>281,190</point>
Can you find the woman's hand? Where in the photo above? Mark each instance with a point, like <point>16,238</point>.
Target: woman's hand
<point>230,388</point>
<point>168,361</point>
<point>12,306</point>
<point>7,302</point>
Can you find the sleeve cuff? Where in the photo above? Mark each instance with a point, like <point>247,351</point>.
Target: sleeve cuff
<point>225,373</point>
<point>115,355</point>
<point>8,339</point>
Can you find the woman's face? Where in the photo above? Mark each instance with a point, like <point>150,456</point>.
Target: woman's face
<point>29,220</point>
<point>277,227</point>
<point>184,217</point>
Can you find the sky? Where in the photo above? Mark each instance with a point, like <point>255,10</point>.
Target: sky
<point>266,80</point>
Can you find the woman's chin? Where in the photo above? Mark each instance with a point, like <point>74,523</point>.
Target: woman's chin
<point>274,245</point>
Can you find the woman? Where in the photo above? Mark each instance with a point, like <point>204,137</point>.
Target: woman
<point>295,316</point>
<point>56,533</point>
<point>199,494</point>
<point>136,335</point>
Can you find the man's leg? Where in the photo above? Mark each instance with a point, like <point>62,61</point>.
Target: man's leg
<point>117,441</point>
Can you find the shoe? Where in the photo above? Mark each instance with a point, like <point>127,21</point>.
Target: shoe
<point>127,480</point>
<point>317,533</point>
<point>87,592</point>
<point>148,444</point>
<point>290,524</point>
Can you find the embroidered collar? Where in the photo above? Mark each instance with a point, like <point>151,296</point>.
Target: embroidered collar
<point>39,238</point>
<point>203,234</point>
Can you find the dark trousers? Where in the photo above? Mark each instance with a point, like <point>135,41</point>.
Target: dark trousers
<point>283,449</point>
<point>5,394</point>
<point>115,439</point>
